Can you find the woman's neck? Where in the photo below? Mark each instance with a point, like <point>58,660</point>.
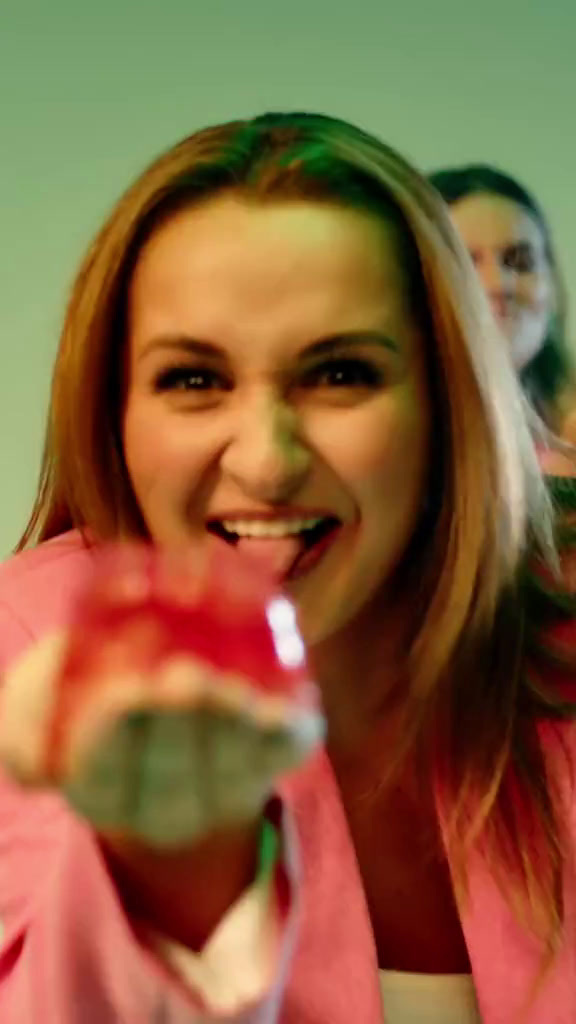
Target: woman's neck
<point>362,678</point>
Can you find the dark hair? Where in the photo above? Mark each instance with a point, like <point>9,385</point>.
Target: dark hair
<point>549,374</point>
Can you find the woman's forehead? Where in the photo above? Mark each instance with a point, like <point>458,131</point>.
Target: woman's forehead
<point>230,231</point>
<point>294,260</point>
<point>487,218</point>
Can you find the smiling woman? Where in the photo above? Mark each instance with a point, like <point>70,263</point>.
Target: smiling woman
<point>304,401</point>
<point>511,244</point>
<point>277,354</point>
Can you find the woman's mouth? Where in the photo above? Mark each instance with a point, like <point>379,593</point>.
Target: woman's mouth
<point>286,547</point>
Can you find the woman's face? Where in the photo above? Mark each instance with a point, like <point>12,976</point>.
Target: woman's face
<point>509,251</point>
<point>277,398</point>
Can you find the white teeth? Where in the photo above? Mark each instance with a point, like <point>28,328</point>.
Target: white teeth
<point>269,528</point>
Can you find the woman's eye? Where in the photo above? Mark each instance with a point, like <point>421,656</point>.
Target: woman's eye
<point>520,258</point>
<point>188,378</point>
<point>344,373</point>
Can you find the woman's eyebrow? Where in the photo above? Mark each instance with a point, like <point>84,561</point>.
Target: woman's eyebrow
<point>347,339</point>
<point>189,345</point>
<point>181,343</point>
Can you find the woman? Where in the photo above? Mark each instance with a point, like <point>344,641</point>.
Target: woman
<point>510,242</point>
<point>277,332</point>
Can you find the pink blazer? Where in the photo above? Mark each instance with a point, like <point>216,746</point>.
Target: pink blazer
<point>72,956</point>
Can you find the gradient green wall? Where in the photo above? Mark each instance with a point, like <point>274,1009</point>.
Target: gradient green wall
<point>90,92</point>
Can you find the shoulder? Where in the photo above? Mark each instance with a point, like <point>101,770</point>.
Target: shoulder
<point>38,588</point>
<point>557,464</point>
<point>549,600</point>
<point>56,566</point>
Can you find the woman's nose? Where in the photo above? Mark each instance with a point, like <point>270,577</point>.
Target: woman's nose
<point>497,279</point>
<point>266,456</point>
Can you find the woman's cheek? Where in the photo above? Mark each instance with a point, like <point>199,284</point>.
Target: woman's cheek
<point>537,293</point>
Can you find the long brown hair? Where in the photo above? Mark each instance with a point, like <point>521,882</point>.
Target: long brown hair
<point>487,503</point>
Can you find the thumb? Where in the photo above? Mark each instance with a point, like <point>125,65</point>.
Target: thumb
<point>27,695</point>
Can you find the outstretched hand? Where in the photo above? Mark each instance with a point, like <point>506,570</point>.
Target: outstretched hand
<point>155,730</point>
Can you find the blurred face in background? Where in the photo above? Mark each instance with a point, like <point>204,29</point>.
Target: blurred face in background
<point>508,248</point>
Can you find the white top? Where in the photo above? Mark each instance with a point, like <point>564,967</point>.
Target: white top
<point>428,998</point>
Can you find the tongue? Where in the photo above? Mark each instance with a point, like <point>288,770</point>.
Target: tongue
<point>275,554</point>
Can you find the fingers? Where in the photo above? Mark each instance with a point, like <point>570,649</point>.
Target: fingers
<point>166,756</point>
<point>170,777</point>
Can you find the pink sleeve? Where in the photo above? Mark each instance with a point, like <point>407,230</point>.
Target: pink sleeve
<point>25,839</point>
<point>75,957</point>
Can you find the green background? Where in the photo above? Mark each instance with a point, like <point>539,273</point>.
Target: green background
<point>89,93</point>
